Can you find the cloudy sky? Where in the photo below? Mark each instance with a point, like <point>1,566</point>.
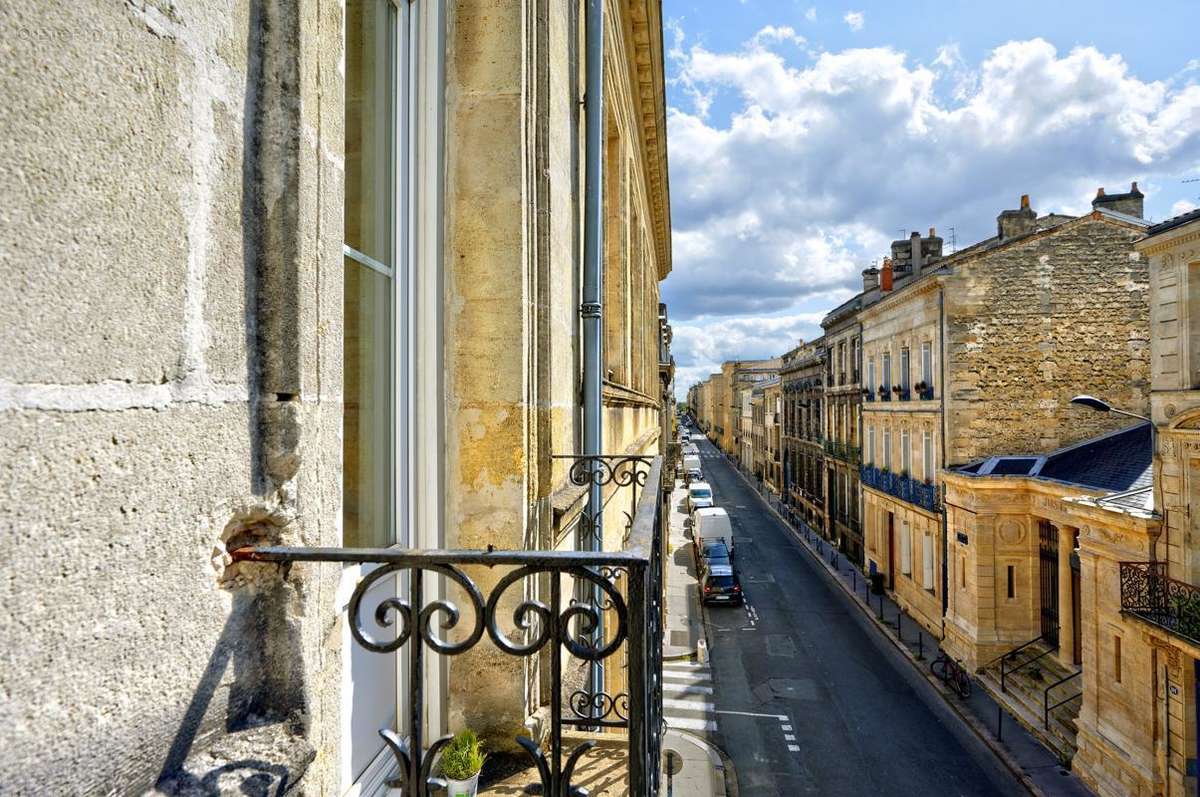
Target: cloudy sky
<point>805,136</point>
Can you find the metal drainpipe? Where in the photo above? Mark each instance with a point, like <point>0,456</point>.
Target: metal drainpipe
<point>591,308</point>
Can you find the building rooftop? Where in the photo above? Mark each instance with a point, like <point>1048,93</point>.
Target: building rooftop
<point>1174,221</point>
<point>1118,462</point>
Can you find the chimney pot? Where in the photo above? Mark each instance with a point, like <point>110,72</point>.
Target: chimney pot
<point>1024,201</point>
<point>1099,192</point>
<point>932,232</point>
<point>885,275</point>
<point>1133,189</point>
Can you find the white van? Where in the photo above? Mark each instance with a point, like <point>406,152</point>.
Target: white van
<point>712,524</point>
<point>691,468</point>
<point>699,496</point>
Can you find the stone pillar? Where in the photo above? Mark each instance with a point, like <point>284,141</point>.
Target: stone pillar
<point>1066,619</point>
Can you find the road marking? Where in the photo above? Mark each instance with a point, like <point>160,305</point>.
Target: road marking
<point>694,705</point>
<point>752,714</point>
<point>687,724</point>
<point>793,748</point>
<point>687,702</point>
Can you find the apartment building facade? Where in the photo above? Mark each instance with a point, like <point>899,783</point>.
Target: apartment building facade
<point>334,306</point>
<point>802,379</point>
<point>953,378</point>
<point>842,423</point>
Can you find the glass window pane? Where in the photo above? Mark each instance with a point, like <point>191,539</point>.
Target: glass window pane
<point>370,55</point>
<point>367,414</point>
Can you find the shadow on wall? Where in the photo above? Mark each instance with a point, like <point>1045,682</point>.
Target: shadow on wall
<point>244,735</point>
<point>243,731</point>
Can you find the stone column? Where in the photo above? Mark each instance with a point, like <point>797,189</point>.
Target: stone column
<point>1066,620</point>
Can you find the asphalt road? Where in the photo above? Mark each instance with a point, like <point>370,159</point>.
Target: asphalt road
<point>805,701</point>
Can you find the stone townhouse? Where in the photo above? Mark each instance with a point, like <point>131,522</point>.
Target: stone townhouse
<point>758,446</point>
<point>1088,551</point>
<point>333,300</point>
<point>802,375</point>
<point>772,457</point>
<point>842,423</point>
<point>978,354</point>
<point>731,419</point>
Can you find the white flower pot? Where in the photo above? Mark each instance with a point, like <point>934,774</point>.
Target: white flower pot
<point>462,788</point>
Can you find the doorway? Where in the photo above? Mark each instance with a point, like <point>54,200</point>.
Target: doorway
<point>1048,571</point>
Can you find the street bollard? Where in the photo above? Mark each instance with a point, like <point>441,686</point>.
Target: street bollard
<point>920,645</point>
<point>854,579</point>
<point>880,607</point>
<point>701,651</point>
<point>999,723</point>
<point>900,625</point>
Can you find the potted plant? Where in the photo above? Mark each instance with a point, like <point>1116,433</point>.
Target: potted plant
<point>461,761</point>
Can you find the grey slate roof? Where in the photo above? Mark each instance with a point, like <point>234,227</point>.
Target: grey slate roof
<point>1174,221</point>
<point>1116,462</point>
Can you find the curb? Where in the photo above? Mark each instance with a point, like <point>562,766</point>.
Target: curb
<point>969,721</point>
<point>716,756</point>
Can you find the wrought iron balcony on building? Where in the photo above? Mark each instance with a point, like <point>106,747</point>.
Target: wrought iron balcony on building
<point>1149,593</point>
<point>530,611</point>
<point>885,393</point>
<point>902,486</point>
<point>842,451</point>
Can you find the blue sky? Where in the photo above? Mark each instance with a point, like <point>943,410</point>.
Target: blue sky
<point>803,137</point>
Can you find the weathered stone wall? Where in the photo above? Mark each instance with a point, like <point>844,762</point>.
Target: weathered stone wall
<point>170,379</point>
<point>1033,323</point>
<point>513,253</point>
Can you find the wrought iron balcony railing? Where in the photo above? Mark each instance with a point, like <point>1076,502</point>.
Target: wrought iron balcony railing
<point>901,486</point>
<point>624,617</point>
<point>842,451</point>
<point>1149,593</point>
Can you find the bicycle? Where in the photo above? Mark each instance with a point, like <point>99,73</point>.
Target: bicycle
<point>952,673</point>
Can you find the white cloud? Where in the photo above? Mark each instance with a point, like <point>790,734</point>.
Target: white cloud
<point>1183,206</point>
<point>855,20</point>
<point>789,176</point>
<point>811,15</point>
<point>771,33</point>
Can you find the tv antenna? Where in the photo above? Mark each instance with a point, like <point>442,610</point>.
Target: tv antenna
<point>953,241</point>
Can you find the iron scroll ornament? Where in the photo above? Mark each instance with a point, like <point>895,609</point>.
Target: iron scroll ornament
<point>623,470</point>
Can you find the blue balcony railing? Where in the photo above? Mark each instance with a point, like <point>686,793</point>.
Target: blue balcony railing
<point>902,486</point>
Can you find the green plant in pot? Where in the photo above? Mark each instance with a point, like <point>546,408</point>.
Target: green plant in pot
<point>461,761</point>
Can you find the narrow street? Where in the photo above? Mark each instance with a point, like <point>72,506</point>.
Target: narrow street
<point>803,700</point>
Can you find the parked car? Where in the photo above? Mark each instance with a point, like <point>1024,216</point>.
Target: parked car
<point>699,496</point>
<point>697,436</point>
<point>691,468</point>
<point>690,449</point>
<point>720,585</point>
<point>712,525</point>
<point>712,554</point>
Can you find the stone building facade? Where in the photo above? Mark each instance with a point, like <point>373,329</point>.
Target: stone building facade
<point>1137,725</point>
<point>842,424</point>
<point>955,340</point>
<point>310,320</point>
<point>772,442</point>
<point>802,377</point>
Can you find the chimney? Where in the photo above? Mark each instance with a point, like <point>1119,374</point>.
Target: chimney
<point>1013,223</point>
<point>1130,203</point>
<point>885,275</point>
<point>932,248</point>
<point>870,279</point>
<point>914,243</point>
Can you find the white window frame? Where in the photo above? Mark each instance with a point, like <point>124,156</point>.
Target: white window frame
<point>887,449</point>
<point>905,367</point>
<point>418,163</point>
<point>927,363</point>
<point>905,452</point>
<point>905,549</point>
<point>927,557</point>
<point>870,457</point>
<point>927,455</point>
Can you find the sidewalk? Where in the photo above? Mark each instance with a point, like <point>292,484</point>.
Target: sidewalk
<point>1035,766</point>
<point>685,625</point>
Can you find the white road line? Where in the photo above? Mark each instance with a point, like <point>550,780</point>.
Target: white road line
<point>686,678</point>
<point>752,714</point>
<point>691,705</point>
<point>792,748</point>
<point>688,724</point>
<point>687,690</point>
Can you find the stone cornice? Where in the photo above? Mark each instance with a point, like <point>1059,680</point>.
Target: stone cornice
<point>1165,241</point>
<point>650,87</point>
<point>924,285</point>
